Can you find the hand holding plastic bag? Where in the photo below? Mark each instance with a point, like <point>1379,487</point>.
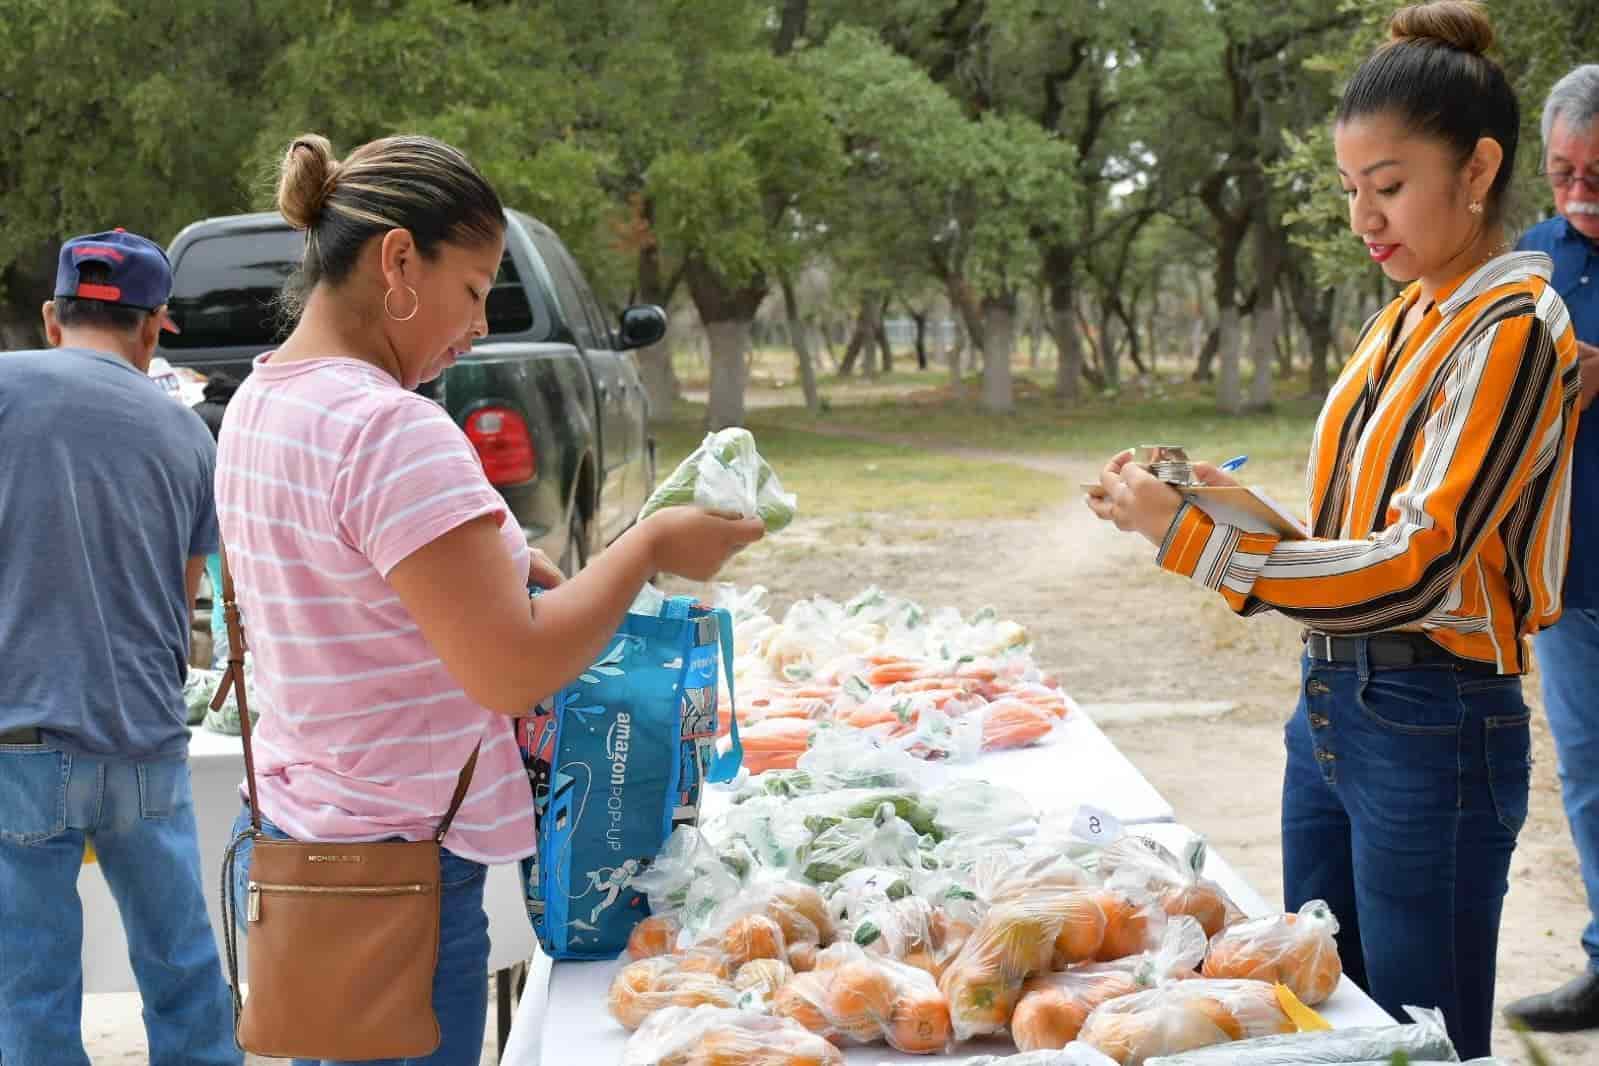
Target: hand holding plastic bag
<point>726,473</point>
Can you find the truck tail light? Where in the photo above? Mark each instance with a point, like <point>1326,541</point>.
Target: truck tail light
<point>503,444</point>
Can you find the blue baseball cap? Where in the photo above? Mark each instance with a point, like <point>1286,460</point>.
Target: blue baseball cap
<point>140,274</point>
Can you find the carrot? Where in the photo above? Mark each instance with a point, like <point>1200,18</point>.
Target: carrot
<point>885,674</point>
<point>1014,724</point>
<point>775,744</point>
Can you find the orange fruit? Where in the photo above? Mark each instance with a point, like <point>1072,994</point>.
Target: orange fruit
<point>800,1000</point>
<point>861,999</point>
<point>1047,1019</point>
<point>1082,934</point>
<point>1127,926</point>
<point>765,976</point>
<point>754,936</point>
<point>802,957</point>
<point>654,936</point>
<point>919,1025</point>
<point>705,959</point>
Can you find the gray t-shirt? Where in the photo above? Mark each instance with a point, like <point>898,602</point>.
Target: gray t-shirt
<point>105,493</point>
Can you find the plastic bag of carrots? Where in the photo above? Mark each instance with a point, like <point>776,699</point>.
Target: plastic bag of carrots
<point>1298,950</point>
<point>868,999</point>
<point>1184,1015</point>
<point>708,1036</point>
<point>1143,863</point>
<point>1054,1006</point>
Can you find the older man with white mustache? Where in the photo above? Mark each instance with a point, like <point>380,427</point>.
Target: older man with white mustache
<point>1568,652</point>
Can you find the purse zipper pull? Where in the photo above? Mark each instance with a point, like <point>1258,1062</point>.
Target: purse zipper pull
<point>253,906</point>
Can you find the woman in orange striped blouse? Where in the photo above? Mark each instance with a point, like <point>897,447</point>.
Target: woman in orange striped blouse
<point>1439,487</point>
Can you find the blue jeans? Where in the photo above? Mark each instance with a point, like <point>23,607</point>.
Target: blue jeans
<point>461,979</point>
<point>141,818</point>
<point>1568,664</point>
<point>1404,791</point>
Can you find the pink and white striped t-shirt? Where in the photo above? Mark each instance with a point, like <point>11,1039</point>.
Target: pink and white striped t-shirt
<point>328,475</point>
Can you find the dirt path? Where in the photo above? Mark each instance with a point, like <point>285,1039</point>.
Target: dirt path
<point>1115,629</point>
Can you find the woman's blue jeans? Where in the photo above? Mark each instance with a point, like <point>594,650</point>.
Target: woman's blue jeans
<point>1404,791</point>
<point>461,979</point>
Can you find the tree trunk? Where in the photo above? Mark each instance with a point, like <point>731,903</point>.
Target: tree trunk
<point>882,337</point>
<point>920,318</point>
<point>1229,390</point>
<point>858,338</point>
<point>1060,268</point>
<point>957,352</point>
<point>728,313</point>
<point>999,332</point>
<point>800,335</point>
<point>1263,350</point>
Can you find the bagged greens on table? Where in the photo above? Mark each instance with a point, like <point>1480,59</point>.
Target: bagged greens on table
<point>1424,1041</point>
<point>726,473</point>
<point>199,688</point>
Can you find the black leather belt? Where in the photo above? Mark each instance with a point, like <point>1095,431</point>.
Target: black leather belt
<point>1389,650</point>
<point>28,735</point>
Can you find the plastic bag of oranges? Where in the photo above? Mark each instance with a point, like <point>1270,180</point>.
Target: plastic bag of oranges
<point>1143,863</point>
<point>641,989</point>
<point>1299,950</point>
<point>868,999</point>
<point>739,926</point>
<point>1016,940</point>
<point>709,1036</point>
<point>1054,1006</point>
<point>913,931</point>
<point>1184,1015</point>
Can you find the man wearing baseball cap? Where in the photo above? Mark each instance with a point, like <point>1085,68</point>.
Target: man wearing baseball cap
<point>106,517</point>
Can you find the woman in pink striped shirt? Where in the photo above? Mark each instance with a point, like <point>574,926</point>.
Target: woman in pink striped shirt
<point>383,577</point>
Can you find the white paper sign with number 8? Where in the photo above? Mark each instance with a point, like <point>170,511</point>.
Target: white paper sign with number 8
<point>1096,826</point>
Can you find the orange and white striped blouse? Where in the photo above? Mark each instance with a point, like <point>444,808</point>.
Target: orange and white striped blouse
<point>1439,479</point>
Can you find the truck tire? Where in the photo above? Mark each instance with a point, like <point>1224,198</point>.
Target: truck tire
<point>576,555</point>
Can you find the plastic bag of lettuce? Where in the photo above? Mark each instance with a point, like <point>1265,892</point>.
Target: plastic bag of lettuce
<point>726,473</point>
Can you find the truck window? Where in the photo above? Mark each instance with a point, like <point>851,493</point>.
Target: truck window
<point>508,310</point>
<point>225,288</point>
<point>225,292</point>
<point>566,288</point>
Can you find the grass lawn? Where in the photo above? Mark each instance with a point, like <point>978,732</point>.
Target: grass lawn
<point>906,469</point>
<point>839,478</point>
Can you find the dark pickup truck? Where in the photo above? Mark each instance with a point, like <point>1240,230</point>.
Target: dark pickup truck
<point>551,399</point>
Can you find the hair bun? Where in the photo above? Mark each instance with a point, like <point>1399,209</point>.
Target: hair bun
<point>1459,24</point>
<point>306,177</point>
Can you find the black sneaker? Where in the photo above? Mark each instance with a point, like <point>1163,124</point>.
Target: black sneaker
<point>1572,1007</point>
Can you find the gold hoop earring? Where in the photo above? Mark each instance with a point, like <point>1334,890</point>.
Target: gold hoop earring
<point>414,309</point>
<point>1475,207</point>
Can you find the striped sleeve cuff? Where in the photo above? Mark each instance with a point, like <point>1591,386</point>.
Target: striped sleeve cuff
<point>1222,558</point>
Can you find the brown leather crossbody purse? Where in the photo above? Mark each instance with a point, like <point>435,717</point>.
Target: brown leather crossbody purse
<point>343,938</point>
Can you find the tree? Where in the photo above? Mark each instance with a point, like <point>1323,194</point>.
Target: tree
<point>107,124</point>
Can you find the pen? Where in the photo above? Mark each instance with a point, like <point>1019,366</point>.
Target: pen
<point>1233,464</point>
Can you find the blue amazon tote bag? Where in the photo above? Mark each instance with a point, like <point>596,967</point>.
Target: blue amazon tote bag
<point>617,761</point>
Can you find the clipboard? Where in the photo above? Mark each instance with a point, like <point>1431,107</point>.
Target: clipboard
<point>1246,508</point>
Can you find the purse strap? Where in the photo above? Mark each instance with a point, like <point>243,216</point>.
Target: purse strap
<point>233,680</point>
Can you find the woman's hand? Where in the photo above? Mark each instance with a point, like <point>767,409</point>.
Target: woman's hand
<point>1135,500</point>
<point>542,572</point>
<point>696,544</point>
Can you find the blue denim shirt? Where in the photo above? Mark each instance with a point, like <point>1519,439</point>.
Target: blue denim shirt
<point>1576,278</point>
